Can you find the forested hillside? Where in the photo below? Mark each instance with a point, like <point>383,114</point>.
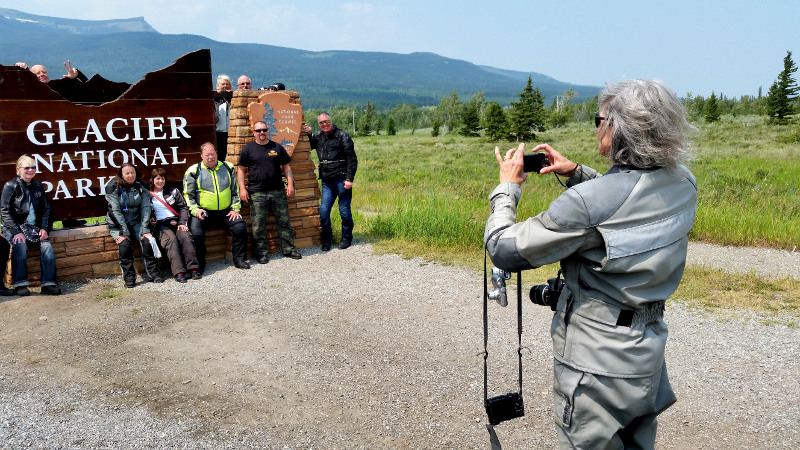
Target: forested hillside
<point>324,79</point>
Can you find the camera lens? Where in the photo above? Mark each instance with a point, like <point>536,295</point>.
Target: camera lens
<point>540,294</point>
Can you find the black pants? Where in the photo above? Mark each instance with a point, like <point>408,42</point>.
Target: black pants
<point>126,260</point>
<point>238,229</point>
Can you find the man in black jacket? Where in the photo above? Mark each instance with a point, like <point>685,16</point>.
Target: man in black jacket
<point>337,169</point>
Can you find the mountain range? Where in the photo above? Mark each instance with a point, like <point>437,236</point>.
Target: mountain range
<point>126,49</point>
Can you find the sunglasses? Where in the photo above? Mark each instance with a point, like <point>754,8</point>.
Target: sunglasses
<point>323,122</point>
<point>263,130</point>
<point>246,84</point>
<point>28,168</point>
<point>597,119</point>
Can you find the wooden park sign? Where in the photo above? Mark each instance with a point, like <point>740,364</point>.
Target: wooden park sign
<point>282,117</point>
<point>79,144</point>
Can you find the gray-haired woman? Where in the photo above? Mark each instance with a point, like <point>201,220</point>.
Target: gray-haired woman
<point>621,241</point>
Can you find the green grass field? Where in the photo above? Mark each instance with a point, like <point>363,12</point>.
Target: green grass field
<point>424,196</point>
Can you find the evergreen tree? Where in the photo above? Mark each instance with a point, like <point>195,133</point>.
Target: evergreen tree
<point>390,128</point>
<point>711,109</point>
<point>782,92</point>
<point>378,125</point>
<point>495,122</point>
<point>365,124</point>
<point>437,124</point>
<point>528,114</point>
<point>470,121</point>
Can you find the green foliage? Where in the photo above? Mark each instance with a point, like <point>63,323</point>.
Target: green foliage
<point>527,115</point>
<point>711,111</point>
<point>437,124</point>
<point>470,121</point>
<point>495,122</point>
<point>782,92</point>
<point>391,130</point>
<point>365,124</point>
<point>433,193</point>
<point>449,110</point>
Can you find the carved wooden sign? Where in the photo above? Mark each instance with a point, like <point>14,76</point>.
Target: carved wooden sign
<point>161,121</point>
<point>282,117</point>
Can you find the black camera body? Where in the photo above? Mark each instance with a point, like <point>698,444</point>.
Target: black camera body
<point>504,407</point>
<point>547,294</point>
<point>204,215</point>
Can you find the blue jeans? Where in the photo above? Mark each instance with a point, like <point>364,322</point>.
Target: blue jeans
<point>19,263</point>
<point>330,191</point>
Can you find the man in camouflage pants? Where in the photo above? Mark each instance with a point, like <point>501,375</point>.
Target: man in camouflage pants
<point>265,162</point>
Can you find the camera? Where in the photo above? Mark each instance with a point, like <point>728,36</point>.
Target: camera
<point>204,215</point>
<point>547,294</point>
<point>499,277</point>
<point>534,162</point>
<point>504,407</point>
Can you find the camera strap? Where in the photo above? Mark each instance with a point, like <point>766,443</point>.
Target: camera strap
<point>486,328</point>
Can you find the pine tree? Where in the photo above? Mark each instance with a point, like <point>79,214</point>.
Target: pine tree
<point>470,121</point>
<point>782,92</point>
<point>365,124</point>
<point>528,114</point>
<point>390,127</point>
<point>494,122</point>
<point>711,109</point>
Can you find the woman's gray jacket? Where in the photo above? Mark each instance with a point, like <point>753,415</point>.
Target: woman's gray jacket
<point>621,240</point>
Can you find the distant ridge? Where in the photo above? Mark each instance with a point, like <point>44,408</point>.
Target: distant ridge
<point>129,48</point>
<point>74,26</point>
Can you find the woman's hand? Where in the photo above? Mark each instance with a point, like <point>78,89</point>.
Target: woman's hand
<point>147,236</point>
<point>43,234</point>
<point>558,162</point>
<point>18,238</point>
<point>511,165</point>
<point>183,228</point>
<point>119,239</point>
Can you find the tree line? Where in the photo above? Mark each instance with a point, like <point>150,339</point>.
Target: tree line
<point>521,120</point>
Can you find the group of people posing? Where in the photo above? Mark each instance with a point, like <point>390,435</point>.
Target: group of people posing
<point>160,216</point>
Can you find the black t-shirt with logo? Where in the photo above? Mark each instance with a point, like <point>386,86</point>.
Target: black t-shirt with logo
<point>264,165</point>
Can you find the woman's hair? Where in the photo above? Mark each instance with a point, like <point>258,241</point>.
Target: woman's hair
<point>223,77</point>
<point>648,124</point>
<point>25,161</point>
<point>157,172</point>
<point>120,180</point>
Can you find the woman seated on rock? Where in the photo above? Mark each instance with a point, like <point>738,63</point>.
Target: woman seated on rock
<point>128,216</point>
<point>25,215</point>
<point>170,228</point>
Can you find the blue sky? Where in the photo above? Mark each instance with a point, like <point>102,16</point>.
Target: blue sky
<point>729,47</point>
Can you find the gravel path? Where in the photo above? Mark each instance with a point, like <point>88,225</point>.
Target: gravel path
<point>381,354</point>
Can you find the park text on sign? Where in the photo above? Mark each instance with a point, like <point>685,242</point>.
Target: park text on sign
<point>79,145</point>
<point>283,118</point>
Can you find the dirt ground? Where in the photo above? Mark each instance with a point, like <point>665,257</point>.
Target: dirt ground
<point>384,355</point>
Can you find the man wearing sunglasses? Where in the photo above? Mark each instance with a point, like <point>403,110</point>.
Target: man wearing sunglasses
<point>265,163</point>
<point>337,169</point>
<point>244,84</point>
